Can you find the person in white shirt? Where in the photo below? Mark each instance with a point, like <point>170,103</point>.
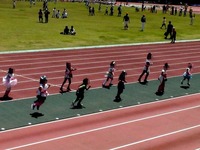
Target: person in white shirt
<point>162,78</point>
<point>8,81</point>
<point>42,93</point>
<point>187,74</point>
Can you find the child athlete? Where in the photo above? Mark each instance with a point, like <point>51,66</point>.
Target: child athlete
<point>146,69</point>
<point>120,86</point>
<point>68,76</point>
<point>8,82</point>
<point>41,93</point>
<point>187,74</point>
<point>109,75</point>
<point>162,78</point>
<point>80,93</point>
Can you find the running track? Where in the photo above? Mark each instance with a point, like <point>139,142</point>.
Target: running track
<point>149,126</point>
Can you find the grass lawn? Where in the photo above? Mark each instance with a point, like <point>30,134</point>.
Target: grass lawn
<point>20,29</point>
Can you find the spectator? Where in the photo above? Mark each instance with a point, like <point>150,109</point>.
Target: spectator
<point>14,4</point>
<point>126,20</point>
<point>143,7</point>
<point>64,14</point>
<point>164,23</point>
<point>106,11</point>
<point>40,15</point>
<point>66,30</point>
<point>58,14</point>
<point>173,37</point>
<point>192,19</point>
<point>169,30</point>
<point>99,8</point>
<point>54,13</point>
<point>93,11</point>
<point>111,10</point>
<point>119,11</point>
<point>143,21</point>
<point>72,31</point>
<point>46,14</point>
<point>192,16</point>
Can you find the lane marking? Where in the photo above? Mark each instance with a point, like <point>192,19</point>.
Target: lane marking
<point>155,137</point>
<point>99,113</point>
<point>114,125</point>
<point>99,46</point>
<point>126,52</point>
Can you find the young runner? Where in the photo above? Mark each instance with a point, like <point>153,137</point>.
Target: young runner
<point>120,86</point>
<point>187,74</point>
<point>146,69</point>
<point>162,78</point>
<point>68,76</point>
<point>8,81</point>
<point>42,93</point>
<point>80,93</point>
<point>109,75</point>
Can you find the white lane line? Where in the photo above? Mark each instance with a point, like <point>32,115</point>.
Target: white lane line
<point>107,111</point>
<point>100,57</point>
<point>109,54</point>
<point>110,126</point>
<point>97,46</point>
<point>156,137</point>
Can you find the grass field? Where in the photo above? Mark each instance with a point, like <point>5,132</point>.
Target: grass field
<point>20,29</point>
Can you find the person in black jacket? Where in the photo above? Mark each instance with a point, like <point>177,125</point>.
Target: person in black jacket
<point>46,15</point>
<point>169,30</point>
<point>173,35</point>
<point>126,20</point>
<point>80,93</point>
<point>120,86</point>
<point>143,21</point>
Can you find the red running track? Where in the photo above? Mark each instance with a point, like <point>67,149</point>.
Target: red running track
<point>94,63</point>
<point>172,124</point>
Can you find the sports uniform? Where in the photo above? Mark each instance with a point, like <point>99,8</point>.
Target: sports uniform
<point>68,76</point>
<point>120,86</point>
<point>187,74</point>
<point>80,93</point>
<point>42,93</point>
<point>8,82</point>
<point>110,74</point>
<point>146,68</point>
<point>162,78</point>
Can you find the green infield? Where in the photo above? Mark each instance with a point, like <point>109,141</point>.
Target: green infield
<point>18,113</point>
<point>21,30</point>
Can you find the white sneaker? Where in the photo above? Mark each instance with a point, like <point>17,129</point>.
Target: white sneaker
<point>32,106</point>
